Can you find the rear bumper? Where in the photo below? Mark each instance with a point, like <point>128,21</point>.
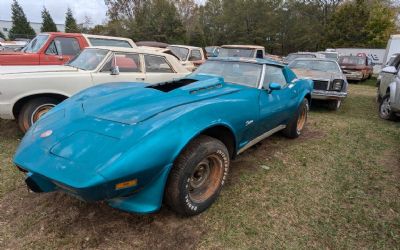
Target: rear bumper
<point>6,111</point>
<point>328,95</point>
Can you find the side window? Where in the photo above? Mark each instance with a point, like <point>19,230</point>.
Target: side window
<point>52,49</point>
<point>259,54</point>
<point>67,46</point>
<point>109,42</point>
<point>195,55</point>
<point>157,64</point>
<point>273,74</point>
<point>126,62</point>
<point>397,62</point>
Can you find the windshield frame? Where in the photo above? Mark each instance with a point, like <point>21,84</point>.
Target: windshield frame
<point>99,65</point>
<point>33,40</point>
<point>171,47</point>
<point>260,78</point>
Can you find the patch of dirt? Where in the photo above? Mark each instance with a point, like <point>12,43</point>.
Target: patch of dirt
<point>30,219</point>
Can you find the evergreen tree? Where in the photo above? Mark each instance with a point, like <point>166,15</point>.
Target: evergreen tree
<point>70,23</point>
<point>48,24</point>
<point>20,24</point>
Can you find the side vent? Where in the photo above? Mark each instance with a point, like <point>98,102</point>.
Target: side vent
<point>215,86</point>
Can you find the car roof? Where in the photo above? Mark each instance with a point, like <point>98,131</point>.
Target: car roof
<point>185,46</point>
<point>132,50</point>
<point>248,60</point>
<point>243,46</point>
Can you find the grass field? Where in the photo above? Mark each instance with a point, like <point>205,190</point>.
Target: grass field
<point>337,186</point>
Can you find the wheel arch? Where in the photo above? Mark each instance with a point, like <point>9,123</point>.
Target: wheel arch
<point>21,101</point>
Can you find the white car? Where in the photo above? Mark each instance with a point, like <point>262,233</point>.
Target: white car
<point>28,92</point>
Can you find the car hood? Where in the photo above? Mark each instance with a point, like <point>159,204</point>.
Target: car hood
<point>134,105</point>
<point>314,74</point>
<point>9,70</point>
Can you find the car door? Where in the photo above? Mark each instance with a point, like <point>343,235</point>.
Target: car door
<point>276,105</point>
<point>158,69</point>
<point>60,51</point>
<point>130,69</point>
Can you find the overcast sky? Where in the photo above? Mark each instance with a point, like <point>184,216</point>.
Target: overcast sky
<point>95,9</point>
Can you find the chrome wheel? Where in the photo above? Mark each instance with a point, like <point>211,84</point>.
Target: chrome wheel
<point>40,111</point>
<point>206,178</point>
<point>385,109</point>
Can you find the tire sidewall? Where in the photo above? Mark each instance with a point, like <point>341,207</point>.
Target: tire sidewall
<point>380,108</point>
<point>25,116</point>
<point>304,103</point>
<point>189,206</point>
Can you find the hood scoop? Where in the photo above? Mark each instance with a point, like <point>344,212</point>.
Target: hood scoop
<point>169,86</point>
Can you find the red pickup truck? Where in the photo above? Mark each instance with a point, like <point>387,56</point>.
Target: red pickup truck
<point>56,48</point>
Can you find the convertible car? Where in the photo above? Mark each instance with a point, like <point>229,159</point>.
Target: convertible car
<point>136,145</point>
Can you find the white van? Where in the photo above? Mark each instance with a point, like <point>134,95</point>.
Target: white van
<point>393,47</point>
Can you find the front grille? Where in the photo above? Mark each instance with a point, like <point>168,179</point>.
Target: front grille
<point>321,85</point>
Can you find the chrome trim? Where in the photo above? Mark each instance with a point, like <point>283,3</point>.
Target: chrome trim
<point>260,138</point>
<point>260,84</point>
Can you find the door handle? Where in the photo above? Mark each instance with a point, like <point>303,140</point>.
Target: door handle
<point>60,58</point>
<point>140,78</point>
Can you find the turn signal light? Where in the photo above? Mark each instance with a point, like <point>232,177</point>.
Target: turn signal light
<point>126,184</point>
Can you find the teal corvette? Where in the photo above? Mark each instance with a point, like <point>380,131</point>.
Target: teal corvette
<point>136,146</point>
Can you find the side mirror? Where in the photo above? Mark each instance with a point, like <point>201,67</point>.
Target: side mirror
<point>390,70</point>
<point>115,70</point>
<point>274,86</point>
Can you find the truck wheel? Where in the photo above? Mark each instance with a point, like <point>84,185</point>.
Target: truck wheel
<point>334,105</point>
<point>33,110</point>
<point>197,176</point>
<point>385,112</point>
<point>296,125</point>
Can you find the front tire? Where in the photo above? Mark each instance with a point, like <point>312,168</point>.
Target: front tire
<point>197,176</point>
<point>33,110</point>
<point>385,111</point>
<point>334,105</point>
<point>296,125</point>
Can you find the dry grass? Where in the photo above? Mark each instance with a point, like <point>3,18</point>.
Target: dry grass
<point>338,186</point>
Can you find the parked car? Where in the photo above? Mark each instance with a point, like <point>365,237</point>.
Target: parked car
<point>333,55</point>
<point>190,57</point>
<point>56,48</point>
<point>28,92</point>
<point>356,68</point>
<point>329,82</point>
<point>293,56</point>
<point>245,51</point>
<point>212,51</point>
<point>388,95</point>
<point>134,146</point>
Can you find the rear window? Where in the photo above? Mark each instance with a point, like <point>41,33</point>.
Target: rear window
<point>109,42</point>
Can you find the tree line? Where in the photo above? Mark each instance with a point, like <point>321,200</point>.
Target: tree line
<point>282,26</point>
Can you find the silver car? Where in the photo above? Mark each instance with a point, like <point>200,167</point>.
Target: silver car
<point>330,84</point>
<point>388,95</point>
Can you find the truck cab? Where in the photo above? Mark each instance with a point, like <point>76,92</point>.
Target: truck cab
<point>57,48</point>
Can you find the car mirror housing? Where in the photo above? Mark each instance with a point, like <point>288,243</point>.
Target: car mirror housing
<point>390,70</point>
<point>115,70</point>
<point>274,86</point>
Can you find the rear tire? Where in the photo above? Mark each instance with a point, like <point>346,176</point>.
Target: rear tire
<point>197,176</point>
<point>296,125</point>
<point>33,110</point>
<point>385,112</point>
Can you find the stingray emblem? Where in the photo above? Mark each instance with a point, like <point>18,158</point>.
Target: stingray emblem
<point>46,133</point>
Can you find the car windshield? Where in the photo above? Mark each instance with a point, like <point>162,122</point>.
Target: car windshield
<point>88,59</point>
<point>317,65</point>
<point>352,60</point>
<point>180,52</point>
<point>209,49</point>
<point>236,52</point>
<point>292,57</point>
<point>241,73</point>
<point>36,44</point>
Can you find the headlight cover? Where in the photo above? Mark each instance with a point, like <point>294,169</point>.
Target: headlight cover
<point>337,85</point>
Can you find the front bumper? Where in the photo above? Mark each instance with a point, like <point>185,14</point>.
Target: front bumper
<point>354,75</point>
<point>6,111</point>
<point>328,95</point>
